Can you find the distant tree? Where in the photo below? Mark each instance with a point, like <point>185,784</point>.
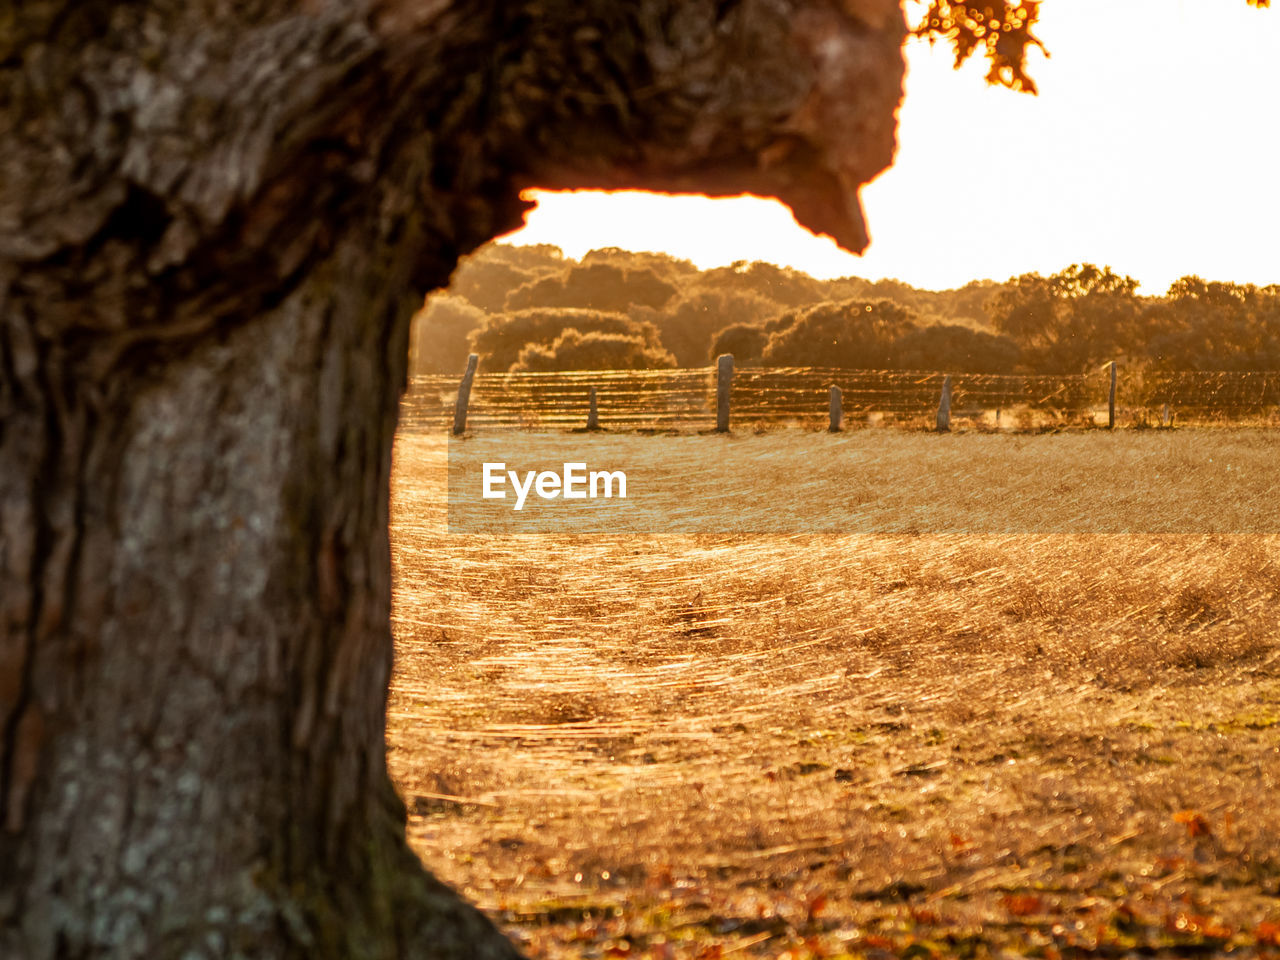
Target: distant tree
<point>575,350</point>
<point>746,341</point>
<point>846,288</point>
<point>1073,319</point>
<point>594,286</point>
<point>965,305</point>
<point>957,349</point>
<point>787,287</point>
<point>1205,325</point>
<point>887,336</point>
<point>440,333</point>
<point>1084,280</point>
<point>897,291</point>
<point>855,334</point>
<point>486,283</point>
<point>501,338</point>
<point>968,303</point>
<point>690,322</point>
<point>534,257</point>
<point>489,274</point>
<point>672,269</point>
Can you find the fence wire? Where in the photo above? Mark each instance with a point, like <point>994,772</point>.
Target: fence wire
<point>778,396</point>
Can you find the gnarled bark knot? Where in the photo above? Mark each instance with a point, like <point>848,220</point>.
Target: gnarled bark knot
<point>214,225</point>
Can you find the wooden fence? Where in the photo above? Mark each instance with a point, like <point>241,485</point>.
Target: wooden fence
<point>777,396</point>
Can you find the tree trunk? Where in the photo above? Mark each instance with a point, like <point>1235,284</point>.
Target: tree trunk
<point>213,231</point>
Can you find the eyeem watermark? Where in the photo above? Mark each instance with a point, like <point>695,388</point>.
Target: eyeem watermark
<point>573,482</point>
<point>867,481</point>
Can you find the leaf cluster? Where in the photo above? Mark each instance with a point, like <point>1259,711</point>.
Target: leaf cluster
<point>998,31</point>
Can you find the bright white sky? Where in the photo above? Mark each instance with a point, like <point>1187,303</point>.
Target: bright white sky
<point>1153,148</point>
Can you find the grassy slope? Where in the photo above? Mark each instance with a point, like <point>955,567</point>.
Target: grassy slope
<point>680,746</point>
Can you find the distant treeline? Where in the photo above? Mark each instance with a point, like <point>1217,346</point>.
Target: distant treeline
<point>532,308</point>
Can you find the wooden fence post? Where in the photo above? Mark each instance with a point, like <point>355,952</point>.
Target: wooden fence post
<point>464,397</point>
<point>724,380</point>
<point>593,415</point>
<point>944,407</point>
<point>1111,399</point>
<point>1164,416</point>
<point>837,410</point>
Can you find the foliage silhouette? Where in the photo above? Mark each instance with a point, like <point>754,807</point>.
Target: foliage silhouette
<point>1068,322</point>
<point>502,338</point>
<point>574,350</point>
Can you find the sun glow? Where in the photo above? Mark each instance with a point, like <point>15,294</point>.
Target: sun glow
<point>1149,148</point>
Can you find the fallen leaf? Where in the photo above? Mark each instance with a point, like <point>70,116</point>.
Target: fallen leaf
<point>1267,932</point>
<point>925,915</point>
<point>959,843</point>
<point>1196,822</point>
<point>1197,925</point>
<point>816,905</point>
<point>1023,904</point>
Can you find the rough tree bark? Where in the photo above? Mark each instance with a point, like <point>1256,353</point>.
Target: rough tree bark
<point>215,221</point>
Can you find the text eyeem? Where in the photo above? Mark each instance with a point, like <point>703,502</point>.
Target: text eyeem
<point>573,482</point>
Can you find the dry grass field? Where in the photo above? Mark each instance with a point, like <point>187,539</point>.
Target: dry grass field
<point>847,744</point>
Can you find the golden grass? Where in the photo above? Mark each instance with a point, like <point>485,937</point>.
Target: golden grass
<point>844,744</point>
<point>886,481</point>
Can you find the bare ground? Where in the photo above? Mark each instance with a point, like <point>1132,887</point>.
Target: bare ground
<point>842,745</point>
